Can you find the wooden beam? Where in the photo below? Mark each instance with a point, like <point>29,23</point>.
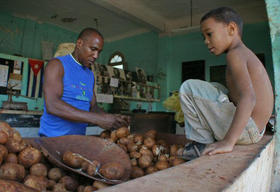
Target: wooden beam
<point>273,13</point>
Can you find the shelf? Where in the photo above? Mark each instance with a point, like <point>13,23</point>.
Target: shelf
<point>135,98</point>
<point>5,111</point>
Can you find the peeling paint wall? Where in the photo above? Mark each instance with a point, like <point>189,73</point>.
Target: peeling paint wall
<point>24,36</point>
<point>257,177</point>
<point>273,11</point>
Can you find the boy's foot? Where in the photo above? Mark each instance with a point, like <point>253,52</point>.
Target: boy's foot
<point>191,151</point>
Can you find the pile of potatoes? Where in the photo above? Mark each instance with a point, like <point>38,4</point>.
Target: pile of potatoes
<point>25,164</point>
<point>147,154</point>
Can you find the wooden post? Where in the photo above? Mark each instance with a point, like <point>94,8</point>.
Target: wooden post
<point>273,13</point>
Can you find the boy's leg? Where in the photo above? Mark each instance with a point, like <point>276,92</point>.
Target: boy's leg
<point>197,127</point>
<point>208,113</point>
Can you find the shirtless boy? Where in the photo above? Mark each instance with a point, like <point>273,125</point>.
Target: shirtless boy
<point>216,118</point>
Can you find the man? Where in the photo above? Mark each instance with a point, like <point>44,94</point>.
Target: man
<point>70,102</point>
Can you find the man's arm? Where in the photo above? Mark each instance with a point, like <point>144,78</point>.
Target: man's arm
<point>93,104</point>
<point>244,105</point>
<point>53,90</point>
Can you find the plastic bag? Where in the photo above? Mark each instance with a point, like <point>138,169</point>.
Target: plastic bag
<point>173,103</point>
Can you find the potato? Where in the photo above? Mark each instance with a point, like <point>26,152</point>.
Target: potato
<point>69,183</point>
<point>145,151</point>
<point>138,139</point>
<point>162,165</point>
<point>105,134</point>
<point>92,167</point>
<point>171,159</point>
<point>145,161</point>
<point>50,184</point>
<point>16,136</point>
<point>136,172</point>
<point>159,149</point>
<point>11,158</point>
<point>55,174</point>
<point>3,137</point>
<point>124,140</point>
<point>177,161</point>
<point>5,127</point>
<point>3,151</point>
<point>163,157</point>
<point>173,150</point>
<point>151,133</point>
<point>130,138</point>
<point>88,189</point>
<point>15,146</point>
<point>112,170</point>
<point>59,187</point>
<point>12,171</point>
<point>99,185</point>
<point>29,156</point>
<point>151,169</point>
<point>81,188</point>
<point>39,169</point>
<point>113,136</point>
<point>72,160</point>
<point>149,142</point>
<point>122,132</point>
<point>36,182</point>
<point>13,186</point>
<point>135,155</point>
<point>133,162</point>
<point>132,147</point>
<point>84,166</point>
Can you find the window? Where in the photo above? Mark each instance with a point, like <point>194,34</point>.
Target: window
<point>117,60</point>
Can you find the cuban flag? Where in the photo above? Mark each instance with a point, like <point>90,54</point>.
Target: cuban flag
<point>35,78</point>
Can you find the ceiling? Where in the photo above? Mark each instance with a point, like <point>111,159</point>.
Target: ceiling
<point>118,19</point>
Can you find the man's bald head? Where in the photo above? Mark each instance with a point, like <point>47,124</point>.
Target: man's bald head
<point>85,33</point>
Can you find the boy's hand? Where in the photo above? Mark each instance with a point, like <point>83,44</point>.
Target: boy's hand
<point>218,147</point>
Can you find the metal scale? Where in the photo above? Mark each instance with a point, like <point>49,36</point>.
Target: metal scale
<point>12,105</point>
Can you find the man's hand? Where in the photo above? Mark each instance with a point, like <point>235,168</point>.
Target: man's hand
<point>218,147</point>
<point>124,117</point>
<point>110,121</point>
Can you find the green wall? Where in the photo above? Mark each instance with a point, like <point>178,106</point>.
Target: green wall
<point>23,37</point>
<point>149,51</point>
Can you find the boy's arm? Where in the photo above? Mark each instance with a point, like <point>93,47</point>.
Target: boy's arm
<point>246,99</point>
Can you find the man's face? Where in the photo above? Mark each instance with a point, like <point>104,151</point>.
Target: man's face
<point>89,49</point>
<point>215,35</point>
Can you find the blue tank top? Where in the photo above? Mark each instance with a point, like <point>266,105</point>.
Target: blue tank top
<point>78,84</point>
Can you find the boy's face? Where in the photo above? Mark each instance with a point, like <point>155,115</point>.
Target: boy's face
<point>216,36</point>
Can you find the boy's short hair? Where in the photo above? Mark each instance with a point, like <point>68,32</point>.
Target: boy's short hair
<point>225,15</point>
<point>88,31</point>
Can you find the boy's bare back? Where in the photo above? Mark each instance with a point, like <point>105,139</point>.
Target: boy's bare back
<point>253,76</point>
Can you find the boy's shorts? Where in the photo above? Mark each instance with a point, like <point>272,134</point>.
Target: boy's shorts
<point>208,113</point>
